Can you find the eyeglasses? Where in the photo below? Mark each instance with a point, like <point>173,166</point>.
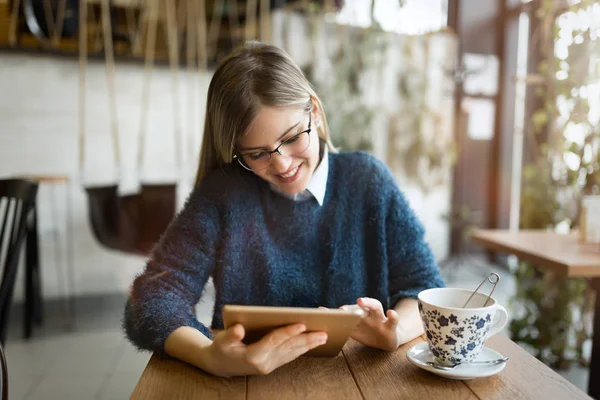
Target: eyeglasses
<point>293,146</point>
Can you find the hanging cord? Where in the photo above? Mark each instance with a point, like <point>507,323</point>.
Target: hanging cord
<point>82,86</point>
<point>265,21</point>
<point>110,74</point>
<point>174,63</point>
<point>133,27</point>
<point>202,36</point>
<point>251,9</point>
<point>60,20</point>
<point>110,77</point>
<point>142,26</point>
<point>191,37</point>
<point>149,62</point>
<point>14,19</point>
<point>234,20</point>
<point>97,42</point>
<point>202,70</point>
<point>54,24</point>
<point>196,54</point>
<point>49,16</point>
<point>215,26</point>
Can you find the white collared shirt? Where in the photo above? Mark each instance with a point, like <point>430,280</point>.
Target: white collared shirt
<point>317,185</point>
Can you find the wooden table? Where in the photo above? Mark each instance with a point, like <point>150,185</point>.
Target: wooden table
<point>359,372</point>
<point>559,253</point>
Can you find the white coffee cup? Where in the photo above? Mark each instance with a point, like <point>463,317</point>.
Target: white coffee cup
<point>456,334</point>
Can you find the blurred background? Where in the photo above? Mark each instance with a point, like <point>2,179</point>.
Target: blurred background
<point>487,112</point>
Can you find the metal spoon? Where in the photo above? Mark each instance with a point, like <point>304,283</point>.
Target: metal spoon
<point>451,367</point>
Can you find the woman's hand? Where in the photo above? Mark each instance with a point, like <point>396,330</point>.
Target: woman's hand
<point>229,356</point>
<point>377,329</point>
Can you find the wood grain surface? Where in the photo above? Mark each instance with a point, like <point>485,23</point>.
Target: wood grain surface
<point>171,379</point>
<point>557,252</point>
<point>359,372</point>
<point>306,378</point>
<point>524,377</point>
<point>390,375</point>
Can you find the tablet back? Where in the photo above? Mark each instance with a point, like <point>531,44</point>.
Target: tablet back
<point>260,320</point>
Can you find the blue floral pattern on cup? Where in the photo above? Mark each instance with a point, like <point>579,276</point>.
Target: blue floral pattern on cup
<point>453,339</point>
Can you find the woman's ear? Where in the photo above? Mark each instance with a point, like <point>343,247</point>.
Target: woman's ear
<point>316,111</point>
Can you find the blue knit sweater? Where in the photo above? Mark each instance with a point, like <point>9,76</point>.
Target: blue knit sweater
<point>264,249</point>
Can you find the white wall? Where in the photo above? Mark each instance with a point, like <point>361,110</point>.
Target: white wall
<point>39,135</point>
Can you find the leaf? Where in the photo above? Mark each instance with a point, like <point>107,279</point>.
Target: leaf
<point>574,148</point>
<point>539,119</point>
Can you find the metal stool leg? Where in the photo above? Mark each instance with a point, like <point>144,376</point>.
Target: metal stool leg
<point>38,314</point>
<point>33,294</point>
<point>70,250</point>
<point>59,259</point>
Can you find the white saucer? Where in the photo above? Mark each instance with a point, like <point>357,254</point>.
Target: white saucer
<point>420,354</point>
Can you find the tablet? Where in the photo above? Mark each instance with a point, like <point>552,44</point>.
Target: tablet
<point>260,320</point>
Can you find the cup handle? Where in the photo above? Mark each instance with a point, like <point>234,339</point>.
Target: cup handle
<point>500,320</point>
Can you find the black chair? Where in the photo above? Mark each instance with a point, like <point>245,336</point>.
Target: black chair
<point>4,371</point>
<point>17,201</point>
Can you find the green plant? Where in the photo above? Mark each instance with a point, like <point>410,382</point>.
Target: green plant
<point>351,123</point>
<point>357,65</point>
<point>423,153</point>
<point>552,313</point>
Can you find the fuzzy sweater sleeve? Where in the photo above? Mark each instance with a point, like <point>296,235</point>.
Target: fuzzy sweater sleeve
<point>411,263</point>
<point>163,297</point>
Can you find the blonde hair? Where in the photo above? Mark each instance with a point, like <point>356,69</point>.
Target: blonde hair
<point>255,75</point>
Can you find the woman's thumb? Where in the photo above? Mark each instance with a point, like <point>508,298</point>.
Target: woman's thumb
<point>233,335</point>
<point>393,317</point>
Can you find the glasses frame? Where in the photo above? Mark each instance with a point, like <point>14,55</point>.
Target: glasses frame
<point>238,156</point>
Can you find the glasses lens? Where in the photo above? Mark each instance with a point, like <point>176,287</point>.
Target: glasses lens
<point>293,146</point>
<point>243,163</point>
<point>255,161</point>
<point>296,145</point>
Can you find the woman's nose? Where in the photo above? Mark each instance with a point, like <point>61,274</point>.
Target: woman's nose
<point>279,163</point>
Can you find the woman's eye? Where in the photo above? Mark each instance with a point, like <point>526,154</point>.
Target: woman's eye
<point>293,138</point>
<point>256,156</point>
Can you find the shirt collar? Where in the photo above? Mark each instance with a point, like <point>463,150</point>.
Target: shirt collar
<point>318,182</point>
<point>317,185</point>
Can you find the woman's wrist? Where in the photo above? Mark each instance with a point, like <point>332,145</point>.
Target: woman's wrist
<point>405,334</point>
<point>410,325</point>
<point>190,345</point>
<point>204,360</point>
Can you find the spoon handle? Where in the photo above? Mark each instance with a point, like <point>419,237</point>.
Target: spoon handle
<point>497,361</point>
<point>487,362</point>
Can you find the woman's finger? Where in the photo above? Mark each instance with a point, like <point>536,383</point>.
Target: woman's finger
<point>374,306</point>
<point>265,356</point>
<point>392,318</point>
<point>277,337</point>
<point>364,312</point>
<point>231,336</point>
<point>300,344</point>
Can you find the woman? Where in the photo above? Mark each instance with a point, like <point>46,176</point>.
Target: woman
<point>279,218</point>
